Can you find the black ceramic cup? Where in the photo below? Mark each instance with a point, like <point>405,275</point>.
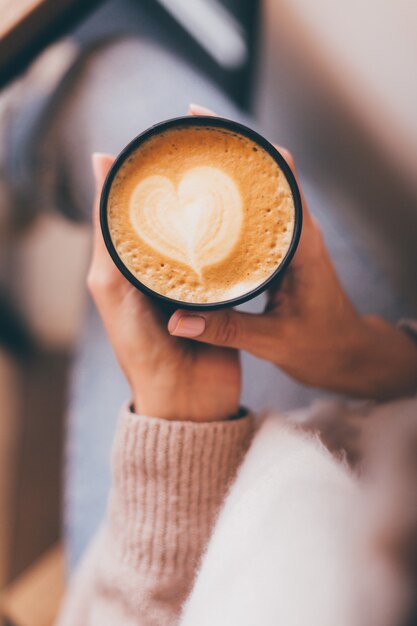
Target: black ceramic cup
<point>206,122</point>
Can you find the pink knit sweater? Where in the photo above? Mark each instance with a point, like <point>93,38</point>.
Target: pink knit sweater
<point>169,480</point>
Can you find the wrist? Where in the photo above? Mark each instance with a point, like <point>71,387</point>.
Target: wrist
<point>190,408</point>
<point>380,361</point>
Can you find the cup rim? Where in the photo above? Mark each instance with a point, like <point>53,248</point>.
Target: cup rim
<point>203,121</point>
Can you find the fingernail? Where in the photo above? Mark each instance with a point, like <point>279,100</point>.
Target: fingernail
<point>197,109</point>
<point>189,326</point>
<point>97,163</point>
<point>192,107</point>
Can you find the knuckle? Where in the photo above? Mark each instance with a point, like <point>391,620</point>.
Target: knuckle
<point>98,282</point>
<point>228,329</point>
<point>318,233</point>
<point>316,228</point>
<point>90,281</point>
<point>287,156</point>
<point>375,320</point>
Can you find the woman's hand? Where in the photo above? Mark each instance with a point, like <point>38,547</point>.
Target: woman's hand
<point>169,377</point>
<point>310,329</point>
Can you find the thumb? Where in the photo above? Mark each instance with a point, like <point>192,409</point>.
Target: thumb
<point>227,327</point>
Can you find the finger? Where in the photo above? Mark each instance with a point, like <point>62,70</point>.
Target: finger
<point>287,156</point>
<point>307,217</point>
<point>107,285</point>
<point>197,109</point>
<point>102,273</point>
<point>228,328</point>
<point>101,164</point>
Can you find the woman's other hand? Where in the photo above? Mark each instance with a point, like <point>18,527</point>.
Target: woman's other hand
<point>310,329</point>
<point>169,377</point>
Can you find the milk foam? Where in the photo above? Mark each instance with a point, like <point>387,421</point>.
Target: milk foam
<point>201,214</point>
<point>198,223</point>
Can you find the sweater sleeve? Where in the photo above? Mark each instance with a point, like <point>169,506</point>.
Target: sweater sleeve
<point>168,482</point>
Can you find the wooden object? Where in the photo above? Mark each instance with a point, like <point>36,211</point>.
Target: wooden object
<point>28,26</point>
<point>9,437</point>
<point>33,599</point>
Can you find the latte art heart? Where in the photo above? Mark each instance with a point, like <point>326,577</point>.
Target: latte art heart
<point>199,213</point>
<point>198,223</point>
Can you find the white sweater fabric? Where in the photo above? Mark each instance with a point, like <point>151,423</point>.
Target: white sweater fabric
<point>304,540</point>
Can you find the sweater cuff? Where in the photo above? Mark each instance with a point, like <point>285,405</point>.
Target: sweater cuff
<point>169,480</point>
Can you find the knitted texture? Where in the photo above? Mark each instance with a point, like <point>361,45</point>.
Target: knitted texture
<point>169,480</point>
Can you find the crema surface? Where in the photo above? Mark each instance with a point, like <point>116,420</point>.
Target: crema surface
<point>200,214</point>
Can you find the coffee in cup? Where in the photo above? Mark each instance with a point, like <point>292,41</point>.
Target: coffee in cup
<point>201,211</point>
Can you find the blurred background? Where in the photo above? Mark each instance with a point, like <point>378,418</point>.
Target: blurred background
<point>335,82</point>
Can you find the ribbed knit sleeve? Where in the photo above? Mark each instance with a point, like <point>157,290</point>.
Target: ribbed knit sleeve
<point>169,480</point>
